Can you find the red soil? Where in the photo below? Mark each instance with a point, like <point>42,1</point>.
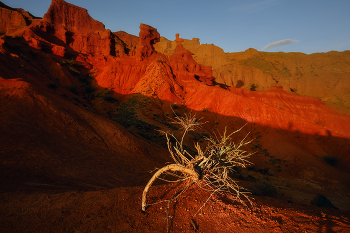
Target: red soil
<point>118,210</point>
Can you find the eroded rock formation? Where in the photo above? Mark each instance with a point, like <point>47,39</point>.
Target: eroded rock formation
<point>127,42</point>
<point>13,19</point>
<point>186,68</point>
<point>75,27</point>
<point>322,75</point>
<point>148,37</point>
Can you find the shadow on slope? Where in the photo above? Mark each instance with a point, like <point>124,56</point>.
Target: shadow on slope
<point>50,143</point>
<point>294,164</point>
<point>53,140</point>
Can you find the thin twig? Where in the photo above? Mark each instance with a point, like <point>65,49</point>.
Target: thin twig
<point>176,194</point>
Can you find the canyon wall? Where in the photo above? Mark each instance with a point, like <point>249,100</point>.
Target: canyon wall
<point>321,75</point>
<point>13,19</point>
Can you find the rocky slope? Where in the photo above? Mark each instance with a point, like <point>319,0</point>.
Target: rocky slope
<point>295,72</point>
<point>82,108</point>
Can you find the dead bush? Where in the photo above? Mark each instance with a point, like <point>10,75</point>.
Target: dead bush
<point>209,168</point>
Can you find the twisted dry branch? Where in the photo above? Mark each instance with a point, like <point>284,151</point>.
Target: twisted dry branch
<point>190,173</point>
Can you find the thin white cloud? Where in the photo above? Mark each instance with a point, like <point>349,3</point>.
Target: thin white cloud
<point>280,43</point>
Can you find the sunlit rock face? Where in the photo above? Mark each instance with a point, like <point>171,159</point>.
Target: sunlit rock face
<point>148,36</point>
<point>75,27</point>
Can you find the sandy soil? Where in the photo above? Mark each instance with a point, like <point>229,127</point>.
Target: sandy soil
<point>119,210</point>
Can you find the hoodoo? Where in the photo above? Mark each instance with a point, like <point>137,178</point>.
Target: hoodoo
<point>147,38</point>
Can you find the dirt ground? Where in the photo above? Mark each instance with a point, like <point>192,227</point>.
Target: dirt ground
<point>119,210</point>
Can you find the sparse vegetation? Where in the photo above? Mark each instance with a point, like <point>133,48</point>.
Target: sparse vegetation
<point>209,169</point>
<point>330,159</point>
<point>71,66</point>
<point>52,85</point>
<point>253,87</point>
<point>15,36</point>
<point>126,115</point>
<point>89,89</point>
<point>264,171</point>
<point>293,90</point>
<point>72,88</point>
<point>175,106</point>
<point>108,97</point>
<point>70,62</point>
<point>264,188</point>
<point>284,71</point>
<point>260,63</point>
<point>23,57</point>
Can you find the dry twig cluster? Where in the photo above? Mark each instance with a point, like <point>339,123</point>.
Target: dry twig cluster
<point>209,169</point>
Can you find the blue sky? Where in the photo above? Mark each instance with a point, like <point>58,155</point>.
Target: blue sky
<point>307,26</point>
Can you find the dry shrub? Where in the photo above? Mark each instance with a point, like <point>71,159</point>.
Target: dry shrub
<point>330,159</point>
<point>209,169</point>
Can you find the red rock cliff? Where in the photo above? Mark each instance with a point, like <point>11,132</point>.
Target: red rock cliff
<point>128,41</point>
<point>72,18</point>
<point>12,19</point>
<point>76,29</point>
